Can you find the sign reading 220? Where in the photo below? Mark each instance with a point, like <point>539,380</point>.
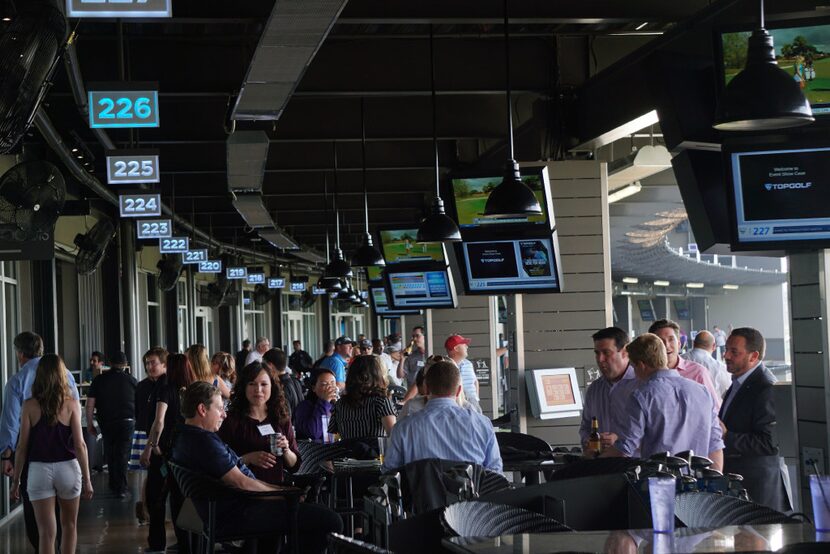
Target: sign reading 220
<point>123,108</point>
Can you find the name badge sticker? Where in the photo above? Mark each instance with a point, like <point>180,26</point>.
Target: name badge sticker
<point>266,430</point>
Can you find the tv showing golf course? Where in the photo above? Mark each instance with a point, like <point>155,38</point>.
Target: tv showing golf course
<point>470,195</point>
<point>802,51</point>
<point>399,245</point>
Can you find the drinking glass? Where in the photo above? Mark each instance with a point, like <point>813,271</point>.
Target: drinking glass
<point>661,491</point>
<point>820,493</point>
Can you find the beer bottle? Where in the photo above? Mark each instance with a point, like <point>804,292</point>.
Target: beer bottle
<point>593,439</point>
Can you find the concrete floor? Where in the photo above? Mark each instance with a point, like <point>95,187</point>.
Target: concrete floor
<point>106,524</point>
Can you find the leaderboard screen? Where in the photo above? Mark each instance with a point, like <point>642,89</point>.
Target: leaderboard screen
<point>381,304</point>
<point>527,265</point>
<point>421,289</point>
<point>781,197</point>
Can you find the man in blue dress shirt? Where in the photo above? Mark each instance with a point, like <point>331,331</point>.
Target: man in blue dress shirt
<point>338,361</point>
<point>607,397</point>
<point>667,413</point>
<point>29,349</point>
<point>443,429</point>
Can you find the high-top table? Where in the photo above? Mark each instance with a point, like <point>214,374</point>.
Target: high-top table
<point>741,538</point>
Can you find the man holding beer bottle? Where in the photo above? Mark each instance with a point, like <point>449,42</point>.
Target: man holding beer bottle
<point>413,362</point>
<point>606,397</point>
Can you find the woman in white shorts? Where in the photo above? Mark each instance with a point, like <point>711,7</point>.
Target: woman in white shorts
<point>52,443</point>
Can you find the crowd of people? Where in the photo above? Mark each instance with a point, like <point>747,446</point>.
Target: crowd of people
<point>242,424</point>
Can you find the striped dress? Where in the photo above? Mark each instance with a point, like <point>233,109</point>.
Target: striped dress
<point>363,420</point>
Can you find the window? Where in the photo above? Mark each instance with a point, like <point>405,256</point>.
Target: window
<point>254,317</point>
<point>9,328</point>
<point>183,321</point>
<point>301,323</point>
<point>153,312</point>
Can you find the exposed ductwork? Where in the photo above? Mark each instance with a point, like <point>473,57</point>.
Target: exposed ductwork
<point>247,154</point>
<point>292,36</point>
<point>252,210</point>
<point>279,239</point>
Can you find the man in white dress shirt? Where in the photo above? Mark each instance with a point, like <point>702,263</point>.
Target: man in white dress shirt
<point>704,346</point>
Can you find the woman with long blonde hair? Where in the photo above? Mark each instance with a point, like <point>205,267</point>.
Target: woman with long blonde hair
<point>197,359</point>
<point>52,440</point>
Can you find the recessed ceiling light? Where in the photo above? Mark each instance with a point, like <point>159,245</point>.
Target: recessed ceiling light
<point>641,26</point>
<point>730,287</point>
<point>661,283</point>
<point>630,280</point>
<point>694,285</point>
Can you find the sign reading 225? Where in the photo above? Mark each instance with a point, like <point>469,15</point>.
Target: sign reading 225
<point>123,108</point>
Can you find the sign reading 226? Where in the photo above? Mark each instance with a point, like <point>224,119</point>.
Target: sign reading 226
<point>123,109</point>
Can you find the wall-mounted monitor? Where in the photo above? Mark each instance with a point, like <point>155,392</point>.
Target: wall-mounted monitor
<point>400,247</point>
<point>420,289</point>
<point>779,196</point>
<point>554,393</point>
<point>682,309</point>
<point>510,266</point>
<point>471,191</point>
<point>646,310</point>
<point>381,305</point>
<point>802,49</point>
<point>374,274</point>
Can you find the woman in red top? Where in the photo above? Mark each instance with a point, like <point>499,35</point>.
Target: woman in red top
<point>256,412</point>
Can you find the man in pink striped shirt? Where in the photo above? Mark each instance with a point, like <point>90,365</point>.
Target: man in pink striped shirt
<point>669,333</point>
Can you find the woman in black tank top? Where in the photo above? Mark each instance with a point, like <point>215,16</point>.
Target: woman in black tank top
<point>52,441</point>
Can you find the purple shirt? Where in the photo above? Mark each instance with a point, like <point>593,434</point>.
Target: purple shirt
<point>668,413</point>
<point>308,422</point>
<point>607,402</point>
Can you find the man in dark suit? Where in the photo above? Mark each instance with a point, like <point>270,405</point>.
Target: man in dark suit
<point>748,416</point>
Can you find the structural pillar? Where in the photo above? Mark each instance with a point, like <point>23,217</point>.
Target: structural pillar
<point>44,311</point>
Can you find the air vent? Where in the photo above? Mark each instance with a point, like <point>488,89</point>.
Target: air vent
<point>279,238</point>
<point>309,255</point>
<point>247,153</point>
<point>252,210</point>
<point>294,32</point>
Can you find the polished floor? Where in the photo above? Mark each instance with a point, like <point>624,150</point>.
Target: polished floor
<point>106,524</point>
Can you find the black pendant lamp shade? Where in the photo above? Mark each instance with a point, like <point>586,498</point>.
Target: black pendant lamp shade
<point>511,197</point>
<point>437,226</point>
<point>762,96</point>
<point>338,267</point>
<point>329,284</point>
<point>367,255</point>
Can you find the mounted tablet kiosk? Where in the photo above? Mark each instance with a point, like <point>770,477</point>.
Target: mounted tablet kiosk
<point>553,393</point>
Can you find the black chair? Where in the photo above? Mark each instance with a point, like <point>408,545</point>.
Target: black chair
<point>197,488</point>
<point>708,510</point>
<point>491,482</point>
<point>520,447</point>
<point>805,548</point>
<point>597,466</point>
<point>432,483</point>
<point>339,544</point>
<point>485,519</point>
<point>310,475</point>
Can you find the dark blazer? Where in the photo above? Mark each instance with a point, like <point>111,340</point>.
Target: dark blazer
<point>751,443</point>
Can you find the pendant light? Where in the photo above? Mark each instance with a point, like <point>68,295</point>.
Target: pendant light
<point>338,267</point>
<point>367,255</point>
<point>330,284</point>
<point>511,198</point>
<point>438,226</point>
<point>762,96</point>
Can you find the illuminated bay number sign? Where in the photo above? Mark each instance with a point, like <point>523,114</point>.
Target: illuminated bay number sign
<point>139,205</point>
<point>173,245</point>
<point>194,256</point>
<point>236,272</point>
<point>113,107</point>
<point>256,278</point>
<point>276,282</point>
<point>154,228</point>
<point>132,167</point>
<point>119,8</point>
<point>210,266</point>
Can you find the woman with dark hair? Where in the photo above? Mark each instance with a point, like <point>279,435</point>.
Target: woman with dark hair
<point>166,402</point>
<point>258,426</point>
<point>365,409</point>
<point>52,441</point>
<point>308,417</point>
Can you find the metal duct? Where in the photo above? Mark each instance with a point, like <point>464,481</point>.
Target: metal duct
<point>252,210</point>
<point>290,40</point>
<point>279,238</point>
<point>310,255</point>
<point>247,153</point>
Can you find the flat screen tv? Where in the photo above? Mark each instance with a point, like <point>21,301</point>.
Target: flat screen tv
<point>646,310</point>
<point>682,309</point>
<point>779,196</point>
<point>470,193</point>
<point>420,289</point>
<point>374,274</point>
<point>511,266</point>
<point>802,49</point>
<point>399,246</point>
<point>381,305</point>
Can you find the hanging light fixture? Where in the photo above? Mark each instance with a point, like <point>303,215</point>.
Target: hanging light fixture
<point>338,267</point>
<point>7,11</point>
<point>762,96</point>
<point>330,284</point>
<point>367,254</point>
<point>438,226</point>
<point>511,198</point>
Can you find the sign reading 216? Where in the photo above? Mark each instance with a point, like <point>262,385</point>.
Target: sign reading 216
<point>123,109</point>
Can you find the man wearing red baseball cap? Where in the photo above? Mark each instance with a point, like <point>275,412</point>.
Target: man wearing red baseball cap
<point>457,346</point>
